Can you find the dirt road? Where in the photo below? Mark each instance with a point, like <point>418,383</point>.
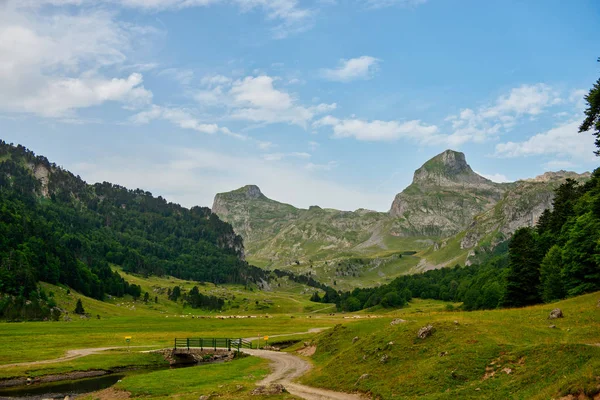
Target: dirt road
<point>287,367</point>
<point>71,355</point>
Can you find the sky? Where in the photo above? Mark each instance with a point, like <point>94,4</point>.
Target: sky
<point>319,102</point>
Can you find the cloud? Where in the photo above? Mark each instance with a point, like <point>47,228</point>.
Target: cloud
<point>380,130</point>
<point>256,99</point>
<point>563,140</point>
<point>193,176</point>
<point>363,67</point>
<point>489,121</point>
<point>178,116</point>
<point>54,65</point>
<point>287,15</point>
<point>265,145</point>
<point>559,164</point>
<point>180,75</point>
<point>498,178</point>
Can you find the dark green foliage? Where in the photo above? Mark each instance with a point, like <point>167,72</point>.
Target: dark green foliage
<point>197,300</point>
<point>592,113</point>
<point>79,308</point>
<point>315,297</point>
<point>552,285</point>
<point>523,274</point>
<point>70,232</point>
<point>175,293</point>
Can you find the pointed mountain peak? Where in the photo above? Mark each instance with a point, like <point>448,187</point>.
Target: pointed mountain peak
<point>447,166</point>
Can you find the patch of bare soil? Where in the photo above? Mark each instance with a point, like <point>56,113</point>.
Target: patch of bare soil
<point>307,351</point>
<point>110,394</point>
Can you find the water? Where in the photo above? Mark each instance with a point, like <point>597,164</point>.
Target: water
<point>58,390</point>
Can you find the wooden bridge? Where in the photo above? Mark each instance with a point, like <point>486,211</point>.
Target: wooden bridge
<point>212,343</point>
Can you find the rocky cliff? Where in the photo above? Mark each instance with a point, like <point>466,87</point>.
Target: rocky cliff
<point>447,214</point>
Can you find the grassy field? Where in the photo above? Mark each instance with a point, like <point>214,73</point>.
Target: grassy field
<point>492,354</point>
<point>497,354</point>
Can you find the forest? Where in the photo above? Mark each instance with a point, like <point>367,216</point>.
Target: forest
<point>64,231</point>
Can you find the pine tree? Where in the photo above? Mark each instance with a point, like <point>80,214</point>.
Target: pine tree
<point>79,307</point>
<point>552,287</point>
<point>523,275</point>
<point>315,297</point>
<point>592,120</point>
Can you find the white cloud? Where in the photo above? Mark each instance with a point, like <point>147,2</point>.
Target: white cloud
<point>363,67</point>
<point>255,99</point>
<point>288,16</point>
<point>380,130</point>
<point>54,65</point>
<point>563,140</point>
<point>498,178</point>
<point>193,176</point>
<point>180,117</point>
<point>488,122</point>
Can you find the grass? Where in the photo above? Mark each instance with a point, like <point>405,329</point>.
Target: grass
<point>109,360</point>
<point>231,380</point>
<point>542,362</point>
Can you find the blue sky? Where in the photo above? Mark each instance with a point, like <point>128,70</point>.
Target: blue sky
<point>328,102</point>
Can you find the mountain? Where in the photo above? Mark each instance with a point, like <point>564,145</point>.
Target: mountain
<point>59,229</point>
<point>443,198</point>
<point>448,215</point>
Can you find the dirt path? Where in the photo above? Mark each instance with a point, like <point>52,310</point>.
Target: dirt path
<point>287,367</point>
<point>71,355</point>
<point>313,330</point>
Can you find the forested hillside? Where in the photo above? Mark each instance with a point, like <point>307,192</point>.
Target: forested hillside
<point>56,228</point>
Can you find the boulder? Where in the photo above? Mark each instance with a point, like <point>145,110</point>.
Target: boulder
<point>384,358</point>
<point>397,321</point>
<point>355,339</point>
<point>556,313</point>
<point>425,332</point>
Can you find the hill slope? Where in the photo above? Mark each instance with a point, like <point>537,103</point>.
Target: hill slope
<point>448,215</point>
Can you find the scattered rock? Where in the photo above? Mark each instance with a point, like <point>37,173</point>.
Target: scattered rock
<point>455,322</point>
<point>507,370</point>
<point>275,388</point>
<point>306,344</point>
<point>272,348</point>
<point>397,321</point>
<point>384,359</point>
<point>355,339</point>
<point>556,313</point>
<point>443,353</point>
<point>364,357</point>
<point>362,377</point>
<point>425,332</point>
<point>598,305</point>
<point>477,389</point>
<point>552,326</point>
<point>204,397</point>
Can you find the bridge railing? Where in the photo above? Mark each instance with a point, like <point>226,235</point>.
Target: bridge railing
<point>212,343</point>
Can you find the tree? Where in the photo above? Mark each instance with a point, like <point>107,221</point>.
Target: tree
<point>79,307</point>
<point>551,282</point>
<point>592,120</point>
<point>146,297</point>
<point>315,297</point>
<point>523,275</point>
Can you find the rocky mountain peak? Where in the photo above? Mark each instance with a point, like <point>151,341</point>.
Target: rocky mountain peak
<point>252,191</point>
<point>447,166</point>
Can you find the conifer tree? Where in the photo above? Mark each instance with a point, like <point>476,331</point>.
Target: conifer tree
<point>523,275</point>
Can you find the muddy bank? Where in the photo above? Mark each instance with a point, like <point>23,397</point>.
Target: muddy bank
<point>68,376</point>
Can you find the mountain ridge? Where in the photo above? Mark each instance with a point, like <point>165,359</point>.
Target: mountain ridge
<point>442,209</point>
